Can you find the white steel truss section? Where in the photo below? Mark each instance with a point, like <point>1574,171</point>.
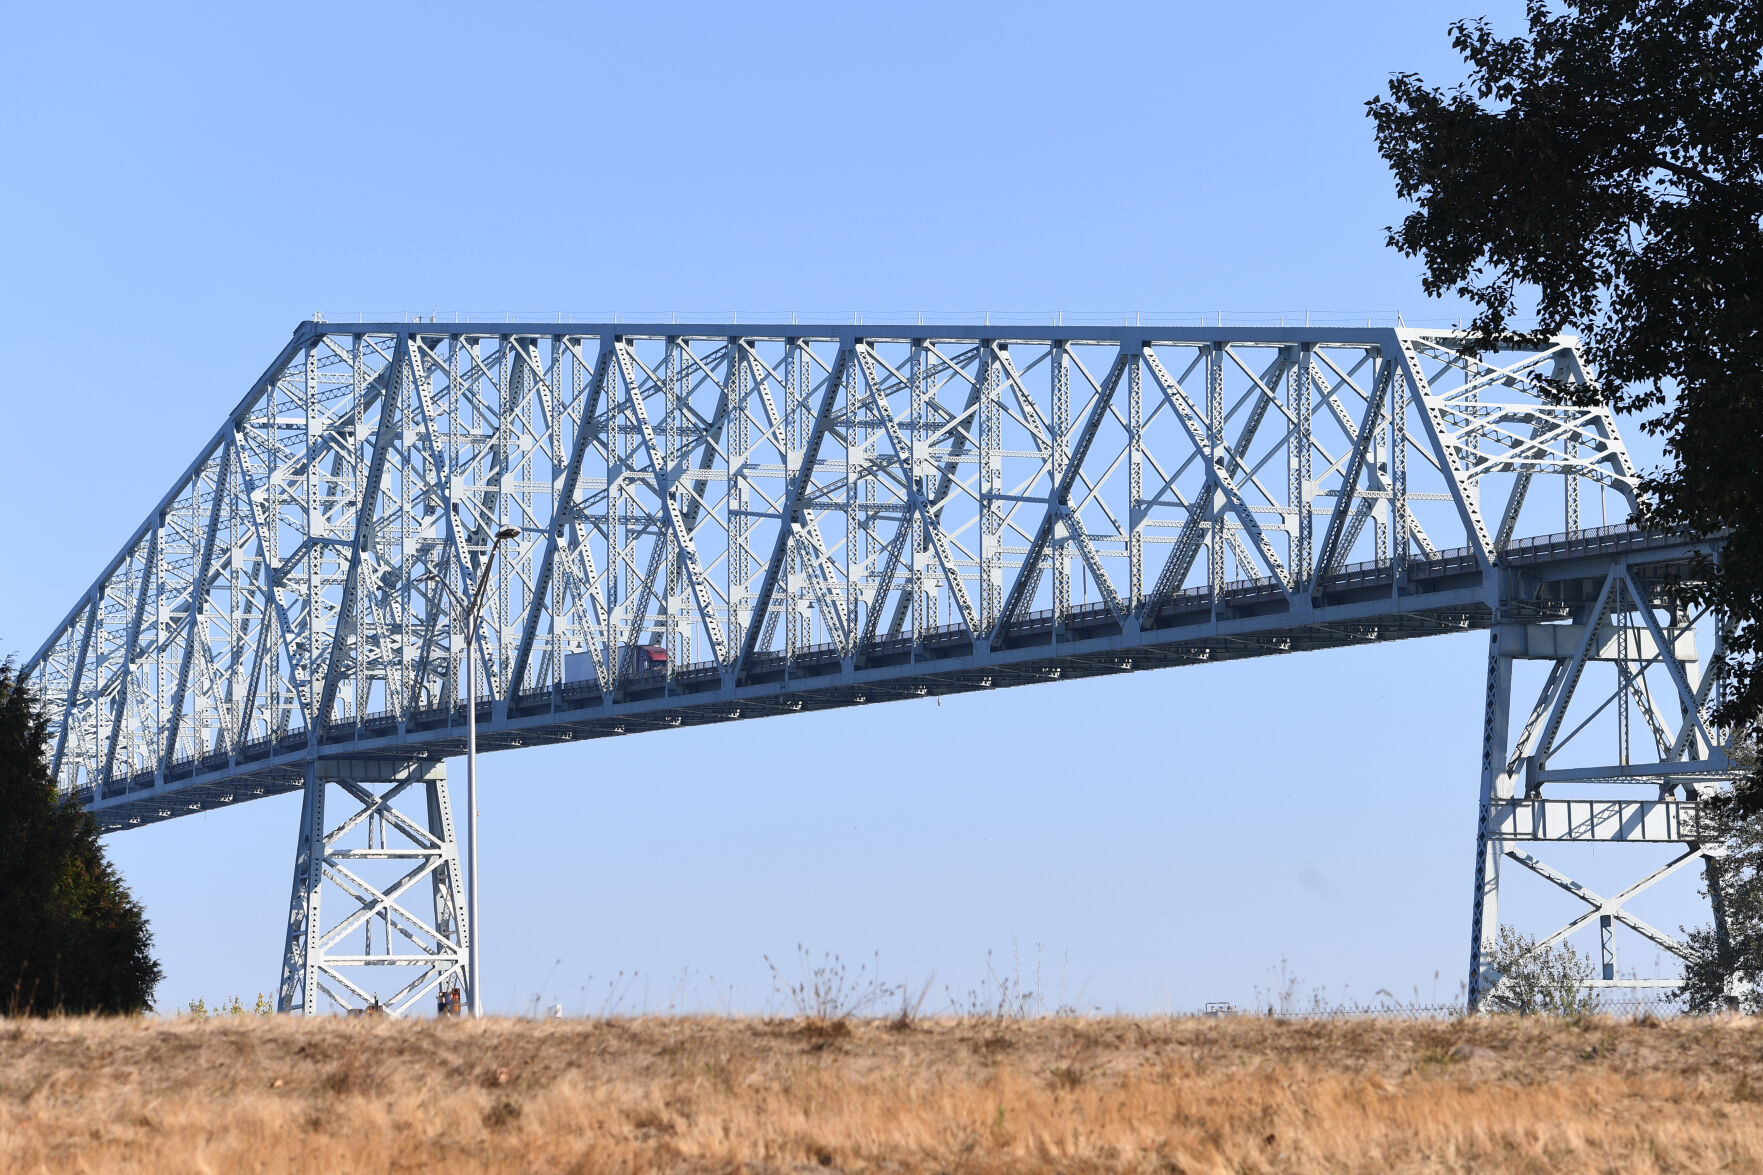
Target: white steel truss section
<point>790,516</point>
<point>376,917</point>
<point>1623,707</point>
<point>746,498</point>
<point>749,498</point>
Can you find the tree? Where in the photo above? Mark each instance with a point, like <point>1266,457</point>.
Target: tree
<point>1726,970</point>
<point>71,937</point>
<point>1607,171</point>
<point>1540,980</point>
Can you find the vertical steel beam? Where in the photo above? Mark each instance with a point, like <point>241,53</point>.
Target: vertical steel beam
<point>1302,489</point>
<point>1217,527</point>
<point>1606,948</point>
<point>1058,490</point>
<point>1401,523</point>
<point>737,567</point>
<point>299,986</point>
<point>1137,511</point>
<point>1484,923</point>
<point>991,487</point>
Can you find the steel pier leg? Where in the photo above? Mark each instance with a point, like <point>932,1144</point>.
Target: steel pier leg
<point>374,883</point>
<point>1497,720</point>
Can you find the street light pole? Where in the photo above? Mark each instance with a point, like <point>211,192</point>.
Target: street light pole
<point>473,610</point>
<point>471,923</point>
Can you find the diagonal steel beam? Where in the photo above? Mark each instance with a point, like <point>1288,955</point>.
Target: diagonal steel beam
<point>1080,537</point>
<point>1575,667</point>
<point>72,697</point>
<point>903,458</point>
<point>126,676</point>
<point>711,440</point>
<point>563,510</point>
<point>441,468</point>
<point>268,587</point>
<point>1336,541</point>
<point>1668,655</point>
<point>682,535</point>
<point>938,499</point>
<point>1613,906</point>
<point>367,508</point>
<point>790,514</point>
<point>1218,477</point>
<point>1028,573</point>
<point>198,602</point>
<point>1431,415</point>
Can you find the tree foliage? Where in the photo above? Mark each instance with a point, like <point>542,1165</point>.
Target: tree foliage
<point>71,937</point>
<point>1540,980</point>
<point>1725,970</point>
<point>1606,172</point>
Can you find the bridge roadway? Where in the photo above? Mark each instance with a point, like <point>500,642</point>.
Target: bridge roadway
<point>1542,578</point>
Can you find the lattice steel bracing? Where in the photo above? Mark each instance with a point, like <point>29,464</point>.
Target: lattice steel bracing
<point>1618,745</point>
<point>376,916</point>
<point>812,516</point>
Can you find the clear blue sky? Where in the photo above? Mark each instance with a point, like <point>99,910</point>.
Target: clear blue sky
<point>188,183</point>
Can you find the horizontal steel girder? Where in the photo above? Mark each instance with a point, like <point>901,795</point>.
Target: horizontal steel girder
<point>1600,820</point>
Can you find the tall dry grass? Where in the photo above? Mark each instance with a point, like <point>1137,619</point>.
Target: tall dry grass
<point>714,1095</point>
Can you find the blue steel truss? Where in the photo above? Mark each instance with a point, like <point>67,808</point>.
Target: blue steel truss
<point>794,517</point>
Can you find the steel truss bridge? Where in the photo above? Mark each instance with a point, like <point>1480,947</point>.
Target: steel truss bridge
<point>814,516</point>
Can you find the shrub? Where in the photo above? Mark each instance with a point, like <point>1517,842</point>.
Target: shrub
<point>1548,980</point>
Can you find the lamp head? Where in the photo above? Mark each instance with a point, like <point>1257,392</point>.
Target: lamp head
<point>508,532</point>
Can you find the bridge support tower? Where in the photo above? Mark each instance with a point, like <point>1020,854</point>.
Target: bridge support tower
<point>1616,749</point>
<point>376,846</point>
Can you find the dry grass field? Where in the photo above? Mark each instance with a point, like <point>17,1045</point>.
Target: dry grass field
<point>250,1094</point>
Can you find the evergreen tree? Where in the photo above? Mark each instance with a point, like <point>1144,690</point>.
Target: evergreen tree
<point>72,939</point>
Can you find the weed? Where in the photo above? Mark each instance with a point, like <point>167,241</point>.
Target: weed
<point>1001,997</point>
<point>198,1008</point>
<point>911,1006</point>
<point>828,992</point>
